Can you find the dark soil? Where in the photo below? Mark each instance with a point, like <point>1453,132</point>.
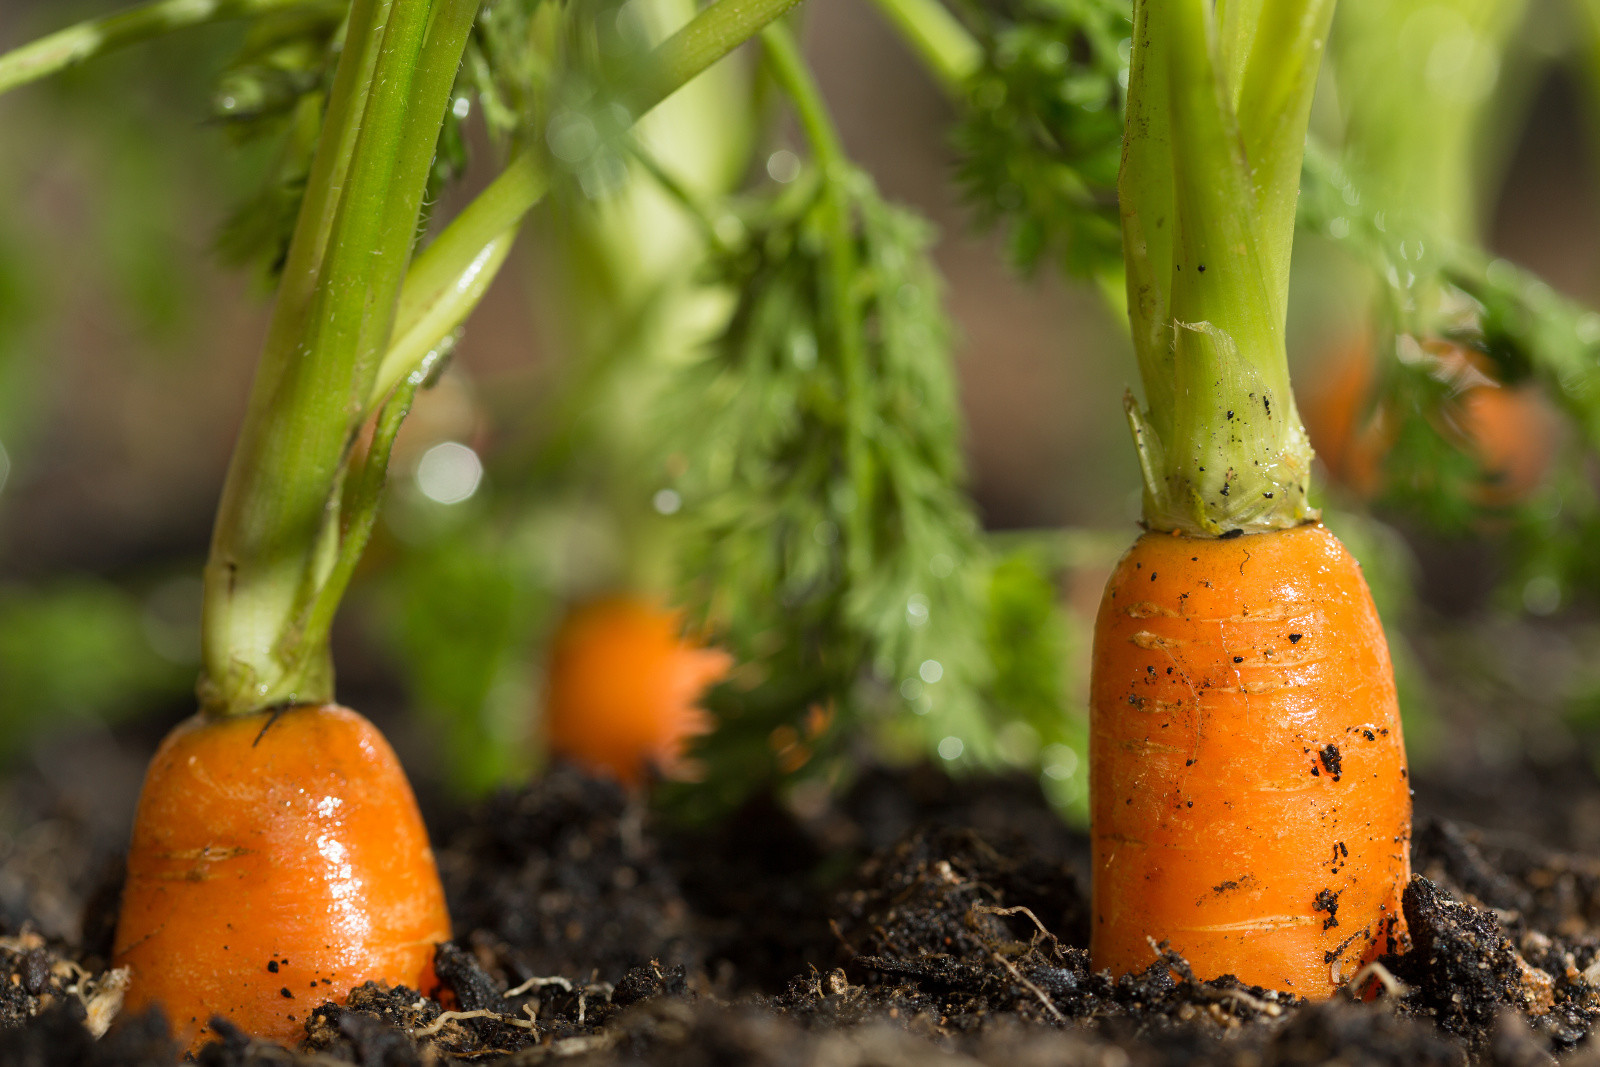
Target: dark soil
<point>918,920</point>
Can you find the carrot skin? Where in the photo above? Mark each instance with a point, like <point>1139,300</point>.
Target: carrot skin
<point>1249,790</point>
<point>276,862</point>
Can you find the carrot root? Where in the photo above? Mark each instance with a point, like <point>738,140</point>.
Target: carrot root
<point>277,860</point>
<point>1250,794</point>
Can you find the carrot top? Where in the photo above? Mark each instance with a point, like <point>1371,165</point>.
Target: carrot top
<point>1218,101</point>
<point>358,326</point>
<point>298,500</point>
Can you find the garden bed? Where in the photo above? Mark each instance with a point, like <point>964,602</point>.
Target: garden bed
<point>917,920</point>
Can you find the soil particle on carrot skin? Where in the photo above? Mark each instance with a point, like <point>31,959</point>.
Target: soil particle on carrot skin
<point>1332,762</point>
<point>1327,901</point>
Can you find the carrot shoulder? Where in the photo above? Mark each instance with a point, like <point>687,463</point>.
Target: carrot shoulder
<point>277,861</point>
<point>1251,802</point>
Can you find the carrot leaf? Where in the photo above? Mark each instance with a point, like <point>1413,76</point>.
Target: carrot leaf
<point>1040,133</point>
<point>848,579</point>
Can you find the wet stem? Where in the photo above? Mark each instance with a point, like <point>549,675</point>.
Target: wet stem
<point>280,547</point>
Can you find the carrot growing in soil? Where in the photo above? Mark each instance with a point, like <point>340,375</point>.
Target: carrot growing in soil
<point>277,856</point>
<point>1249,789</point>
<point>624,687</point>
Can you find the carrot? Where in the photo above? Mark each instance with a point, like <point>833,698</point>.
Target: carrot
<point>1247,775</point>
<point>277,853</point>
<point>277,856</point>
<point>1349,437</point>
<point>1511,431</point>
<point>623,687</point>
<point>1249,780</point>
<point>278,860</point>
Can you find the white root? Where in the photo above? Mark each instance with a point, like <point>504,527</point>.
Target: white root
<point>481,1013</point>
<point>539,983</point>
<point>1044,998</point>
<point>1391,985</point>
<point>104,999</point>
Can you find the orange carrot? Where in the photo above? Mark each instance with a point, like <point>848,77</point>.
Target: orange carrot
<point>1250,800</point>
<point>1247,776</point>
<point>278,859</point>
<point>1350,438</point>
<point>623,688</point>
<point>1510,430</point>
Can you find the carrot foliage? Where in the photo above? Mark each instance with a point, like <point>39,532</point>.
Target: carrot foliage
<point>1525,332</point>
<point>275,90</point>
<point>846,578</point>
<point>1040,133</point>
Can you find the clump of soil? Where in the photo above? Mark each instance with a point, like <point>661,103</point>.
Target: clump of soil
<point>918,920</point>
<point>563,879</point>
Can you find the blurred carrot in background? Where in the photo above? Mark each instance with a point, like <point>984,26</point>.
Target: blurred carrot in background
<point>624,689</point>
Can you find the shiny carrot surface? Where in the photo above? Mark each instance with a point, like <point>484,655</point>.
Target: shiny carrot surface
<point>1251,802</point>
<point>277,861</point>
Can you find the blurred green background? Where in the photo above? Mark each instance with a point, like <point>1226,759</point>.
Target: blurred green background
<point>531,476</point>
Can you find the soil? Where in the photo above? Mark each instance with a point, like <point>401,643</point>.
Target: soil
<point>916,920</point>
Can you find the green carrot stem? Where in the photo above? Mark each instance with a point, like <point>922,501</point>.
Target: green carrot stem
<point>1218,102</point>
<point>703,40</point>
<point>451,274</point>
<point>347,338</point>
<point>94,37</point>
<point>944,45</point>
<point>279,527</point>
<point>1417,79</point>
<point>361,504</point>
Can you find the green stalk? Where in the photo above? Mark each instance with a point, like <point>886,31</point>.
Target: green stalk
<point>451,274</point>
<point>95,37</point>
<point>838,295</point>
<point>945,47</point>
<point>1218,101</point>
<point>280,531</point>
<point>706,38</point>
<point>1417,79</point>
<point>348,340</point>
